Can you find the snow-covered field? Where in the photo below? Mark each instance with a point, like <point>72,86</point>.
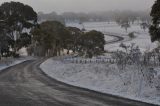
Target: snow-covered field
<point>107,78</point>
<point>104,78</point>
<point>142,37</point>
<point>5,63</point>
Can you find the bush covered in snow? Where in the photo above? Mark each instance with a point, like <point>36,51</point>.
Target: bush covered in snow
<point>144,63</point>
<point>133,82</point>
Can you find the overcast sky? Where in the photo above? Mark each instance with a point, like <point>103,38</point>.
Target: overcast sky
<point>86,5</point>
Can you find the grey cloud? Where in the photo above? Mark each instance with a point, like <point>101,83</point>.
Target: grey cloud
<point>86,5</point>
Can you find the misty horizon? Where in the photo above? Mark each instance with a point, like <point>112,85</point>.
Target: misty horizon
<point>78,6</point>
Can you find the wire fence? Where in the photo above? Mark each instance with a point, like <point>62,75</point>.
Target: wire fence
<point>88,61</point>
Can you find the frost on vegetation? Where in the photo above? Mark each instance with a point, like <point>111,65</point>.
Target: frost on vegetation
<point>133,78</point>
<point>143,64</point>
<point>132,74</point>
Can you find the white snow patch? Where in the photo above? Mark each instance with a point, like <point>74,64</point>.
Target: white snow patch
<point>103,78</point>
<point>8,62</point>
<point>142,37</point>
<point>107,78</point>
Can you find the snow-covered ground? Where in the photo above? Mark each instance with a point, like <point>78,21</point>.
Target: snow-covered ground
<point>107,78</point>
<point>8,62</point>
<point>104,78</point>
<point>142,37</point>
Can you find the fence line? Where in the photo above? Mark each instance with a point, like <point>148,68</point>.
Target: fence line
<point>87,61</point>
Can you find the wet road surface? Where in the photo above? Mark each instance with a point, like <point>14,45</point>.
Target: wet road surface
<point>26,85</point>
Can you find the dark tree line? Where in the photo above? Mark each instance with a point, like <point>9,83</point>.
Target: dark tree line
<point>51,38</point>
<point>19,28</point>
<point>53,16</point>
<point>108,16</point>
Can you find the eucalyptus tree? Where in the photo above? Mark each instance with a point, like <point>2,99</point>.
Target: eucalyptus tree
<point>75,38</point>
<point>5,41</point>
<point>19,19</point>
<point>52,36</point>
<point>144,26</point>
<point>92,43</point>
<point>125,26</point>
<point>155,27</point>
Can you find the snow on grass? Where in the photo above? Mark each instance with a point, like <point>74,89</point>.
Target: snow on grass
<point>142,40</point>
<point>107,78</point>
<point>142,37</point>
<point>103,78</point>
<point>109,38</point>
<point>8,62</point>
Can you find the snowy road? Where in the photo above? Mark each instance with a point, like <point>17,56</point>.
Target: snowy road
<point>26,85</point>
<point>115,38</point>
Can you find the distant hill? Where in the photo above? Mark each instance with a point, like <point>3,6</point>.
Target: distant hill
<point>53,16</point>
<point>95,16</point>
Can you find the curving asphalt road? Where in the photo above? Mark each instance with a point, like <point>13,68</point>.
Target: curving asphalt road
<point>26,85</point>
<point>115,40</point>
